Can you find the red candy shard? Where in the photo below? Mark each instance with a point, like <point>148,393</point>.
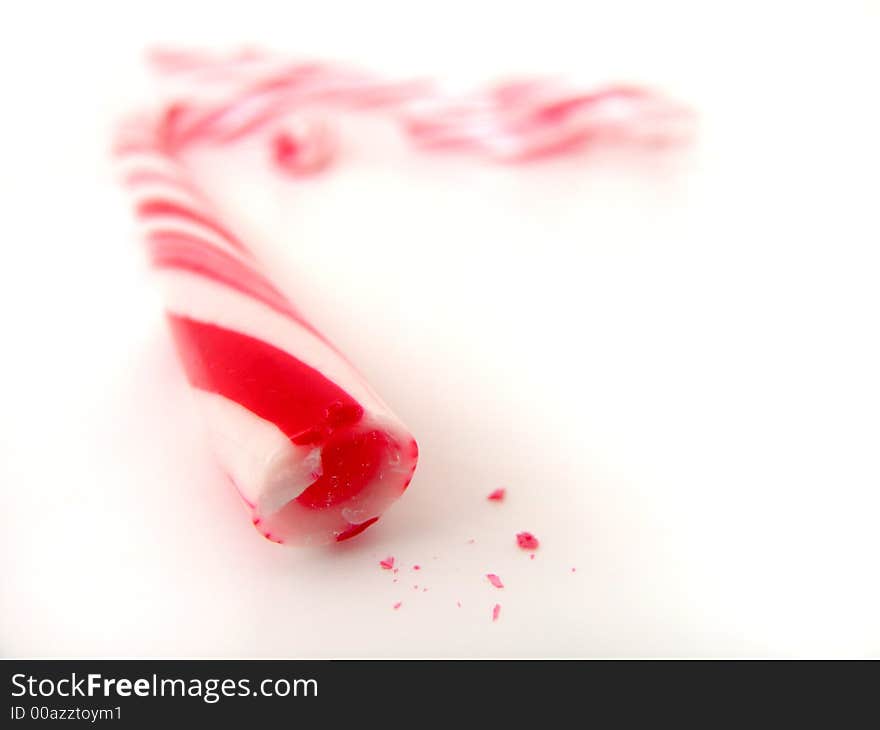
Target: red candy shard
<point>388,563</point>
<point>496,611</point>
<point>495,580</point>
<point>497,495</point>
<point>527,541</point>
<point>397,605</point>
<point>417,567</point>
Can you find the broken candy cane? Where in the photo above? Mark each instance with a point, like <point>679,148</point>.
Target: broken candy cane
<point>315,454</point>
<point>313,451</point>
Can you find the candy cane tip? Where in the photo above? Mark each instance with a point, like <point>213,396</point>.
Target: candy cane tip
<point>352,475</point>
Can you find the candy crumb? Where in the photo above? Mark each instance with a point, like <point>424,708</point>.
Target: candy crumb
<point>495,580</point>
<point>417,567</point>
<point>496,611</point>
<point>527,541</point>
<point>388,563</point>
<point>398,605</point>
<point>532,556</point>
<point>497,495</point>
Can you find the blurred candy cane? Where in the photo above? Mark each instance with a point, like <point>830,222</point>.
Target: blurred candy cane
<point>245,93</point>
<point>314,452</point>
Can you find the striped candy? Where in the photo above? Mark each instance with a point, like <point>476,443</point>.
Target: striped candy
<point>315,454</point>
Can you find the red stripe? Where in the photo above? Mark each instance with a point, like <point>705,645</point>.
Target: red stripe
<point>158,206</point>
<point>186,252</point>
<point>173,250</point>
<point>295,397</point>
<point>267,381</point>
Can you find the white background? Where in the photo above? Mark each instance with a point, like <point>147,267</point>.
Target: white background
<point>670,360</point>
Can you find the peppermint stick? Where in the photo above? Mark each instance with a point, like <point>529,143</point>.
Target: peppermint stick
<point>316,455</point>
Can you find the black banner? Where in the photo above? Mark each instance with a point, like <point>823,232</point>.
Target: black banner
<point>146,693</point>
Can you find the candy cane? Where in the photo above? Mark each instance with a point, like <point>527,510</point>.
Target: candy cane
<point>314,452</point>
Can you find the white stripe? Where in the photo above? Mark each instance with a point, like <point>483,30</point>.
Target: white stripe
<point>176,181</point>
<point>267,468</point>
<point>192,296</point>
<point>132,162</point>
